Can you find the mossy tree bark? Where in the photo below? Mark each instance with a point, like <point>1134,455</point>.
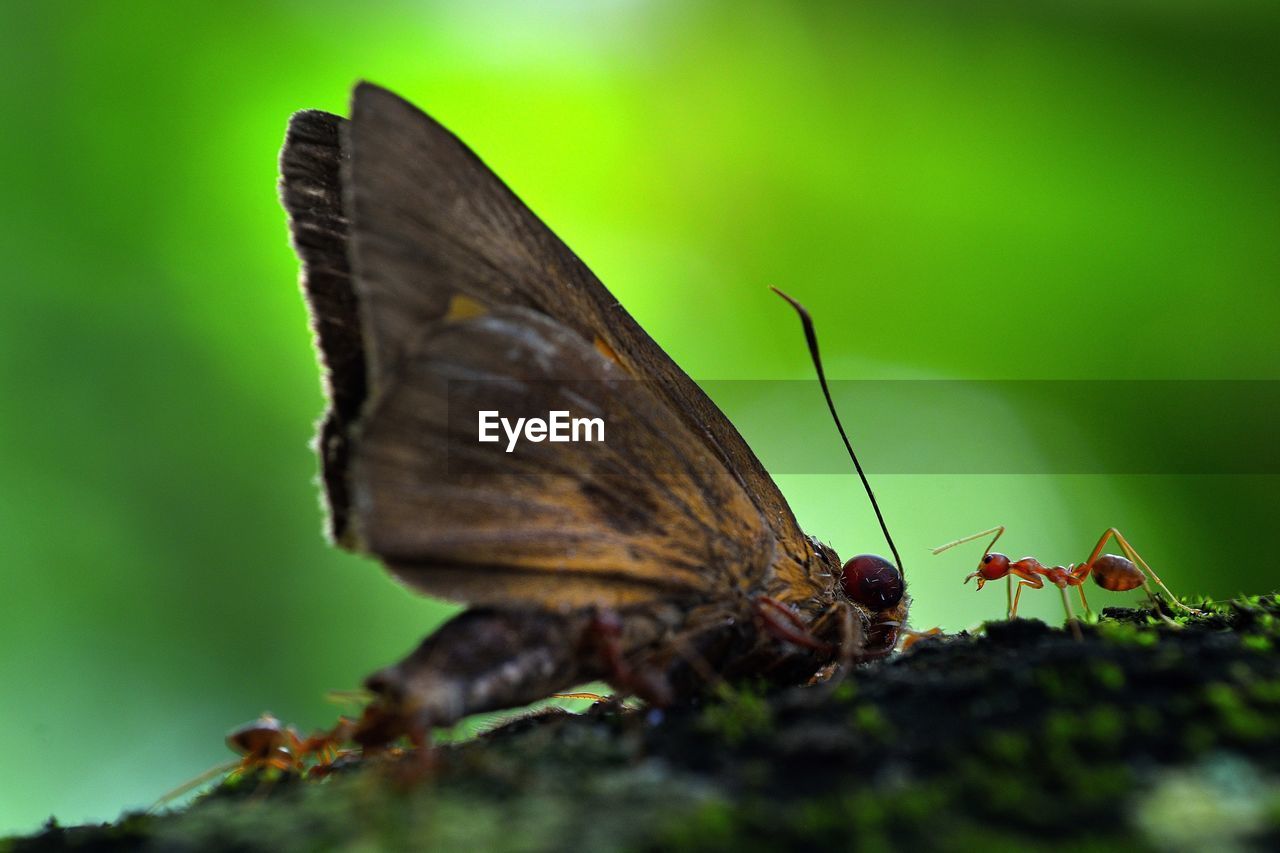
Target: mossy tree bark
<point>1141,735</point>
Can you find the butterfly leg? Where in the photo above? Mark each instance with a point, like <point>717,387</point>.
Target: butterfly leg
<point>852,642</point>
<point>783,623</point>
<point>605,633</point>
<point>852,638</point>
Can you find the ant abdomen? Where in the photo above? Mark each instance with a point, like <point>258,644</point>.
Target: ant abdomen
<point>1117,574</point>
<point>261,737</point>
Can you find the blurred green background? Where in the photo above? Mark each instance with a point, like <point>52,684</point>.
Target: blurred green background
<point>957,190</point>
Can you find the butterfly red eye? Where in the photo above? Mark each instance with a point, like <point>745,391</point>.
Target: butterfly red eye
<point>872,581</point>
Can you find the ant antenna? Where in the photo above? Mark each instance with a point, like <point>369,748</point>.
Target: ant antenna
<point>998,531</point>
<point>812,338</point>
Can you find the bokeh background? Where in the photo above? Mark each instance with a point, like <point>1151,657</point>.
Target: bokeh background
<point>978,190</point>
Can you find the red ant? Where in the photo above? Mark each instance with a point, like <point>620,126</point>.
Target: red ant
<point>1109,571</point>
<point>266,745</point>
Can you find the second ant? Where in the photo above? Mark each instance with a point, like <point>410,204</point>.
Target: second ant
<point>1109,571</point>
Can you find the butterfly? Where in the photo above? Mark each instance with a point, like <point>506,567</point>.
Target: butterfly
<point>661,559</point>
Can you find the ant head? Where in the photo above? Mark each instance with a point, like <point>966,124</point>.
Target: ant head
<point>992,568</point>
<point>872,581</point>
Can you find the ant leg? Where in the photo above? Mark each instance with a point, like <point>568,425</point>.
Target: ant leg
<point>1137,558</point>
<point>1155,606</point>
<point>1076,575</point>
<point>1071,617</point>
<point>1151,595</point>
<point>1010,609</point>
<point>1030,579</point>
<point>594,697</point>
<point>1083,600</point>
<point>193,783</point>
<point>910,638</point>
<point>1036,584</point>
<point>324,747</point>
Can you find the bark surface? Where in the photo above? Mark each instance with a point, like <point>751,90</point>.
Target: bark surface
<point>1140,736</point>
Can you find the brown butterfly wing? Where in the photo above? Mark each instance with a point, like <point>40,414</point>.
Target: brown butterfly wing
<point>431,224</point>
<point>646,513</point>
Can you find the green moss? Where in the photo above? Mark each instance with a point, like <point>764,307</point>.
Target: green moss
<point>1060,727</point>
<point>1224,697</point>
<point>1051,684</point>
<point>1237,717</point>
<point>845,691</point>
<point>1145,719</point>
<point>737,713</point>
<point>1257,643</point>
<point>1197,738</point>
<point>870,721</point>
<point>1127,634</point>
<point>712,826</point>
<point>1266,692</point>
<point>1108,674</point>
<point>1104,725</point>
<point>1009,747</point>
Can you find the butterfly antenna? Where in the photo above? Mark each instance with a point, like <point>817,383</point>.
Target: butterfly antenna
<point>812,338</point>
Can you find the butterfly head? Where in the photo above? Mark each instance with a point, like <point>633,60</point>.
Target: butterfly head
<point>872,581</point>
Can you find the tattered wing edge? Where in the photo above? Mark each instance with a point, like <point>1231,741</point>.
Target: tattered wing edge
<point>311,169</point>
